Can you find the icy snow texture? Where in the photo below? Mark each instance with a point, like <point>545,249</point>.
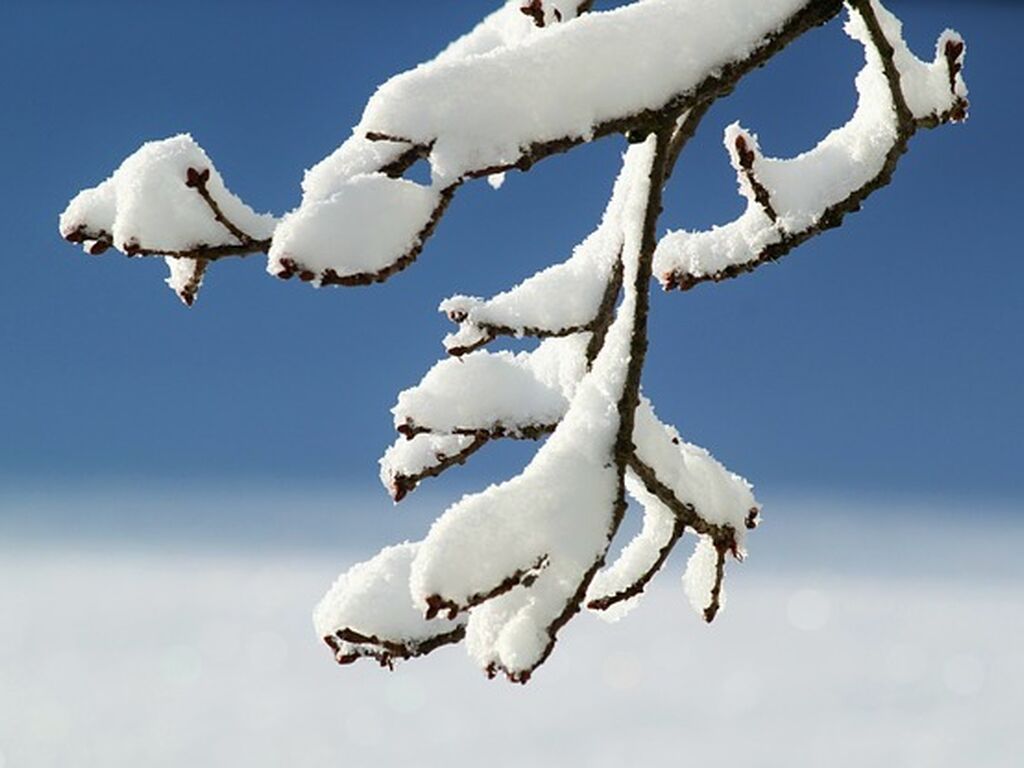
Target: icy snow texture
<point>803,188</point>
<point>146,203</point>
<point>372,598</point>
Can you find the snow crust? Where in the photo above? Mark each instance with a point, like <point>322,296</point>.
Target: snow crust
<point>803,188</point>
<point>146,203</point>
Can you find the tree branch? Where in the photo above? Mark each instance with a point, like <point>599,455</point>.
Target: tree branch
<point>523,576</point>
<point>386,651</point>
<point>400,485</point>
<point>640,584</point>
<point>906,125</point>
<point>195,179</point>
<point>628,402</point>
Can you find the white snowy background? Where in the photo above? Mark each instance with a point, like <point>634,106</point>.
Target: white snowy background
<point>173,630</point>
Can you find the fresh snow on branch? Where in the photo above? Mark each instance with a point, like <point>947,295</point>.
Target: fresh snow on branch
<point>484,111</point>
<point>788,198</point>
<point>506,568</point>
<point>616,589</point>
<point>367,612</point>
<point>560,300</point>
<point>495,393</point>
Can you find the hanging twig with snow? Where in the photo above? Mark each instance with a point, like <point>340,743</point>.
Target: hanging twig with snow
<point>505,569</point>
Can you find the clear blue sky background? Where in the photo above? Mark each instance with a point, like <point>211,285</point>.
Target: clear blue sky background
<point>881,358</point>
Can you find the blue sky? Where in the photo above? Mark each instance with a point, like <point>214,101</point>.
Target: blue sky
<point>881,358</point>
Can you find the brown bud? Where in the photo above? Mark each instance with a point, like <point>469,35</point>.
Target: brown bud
<point>751,521</point>
<point>197,178</point>
<point>76,235</point>
<point>745,153</point>
<point>98,247</point>
<point>535,10</point>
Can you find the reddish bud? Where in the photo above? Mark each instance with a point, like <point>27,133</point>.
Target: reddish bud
<point>76,235</point>
<point>197,178</point>
<point>744,153</point>
<point>98,247</point>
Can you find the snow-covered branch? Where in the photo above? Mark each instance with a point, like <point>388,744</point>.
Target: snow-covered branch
<point>411,460</point>
<point>167,200</point>
<point>489,103</point>
<point>366,614</point>
<point>792,200</point>
<point>506,568</point>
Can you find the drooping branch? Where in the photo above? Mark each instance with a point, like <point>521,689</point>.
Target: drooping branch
<point>350,646</point>
<point>570,486</point>
<point>641,559</point>
<point>186,277</point>
<point>722,538</point>
<point>637,301</point>
<point>410,461</point>
<point>505,569</point>
<point>683,511</point>
<point>535,557</point>
<point>366,613</point>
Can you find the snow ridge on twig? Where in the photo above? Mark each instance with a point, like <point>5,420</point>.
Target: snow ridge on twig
<point>506,568</point>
